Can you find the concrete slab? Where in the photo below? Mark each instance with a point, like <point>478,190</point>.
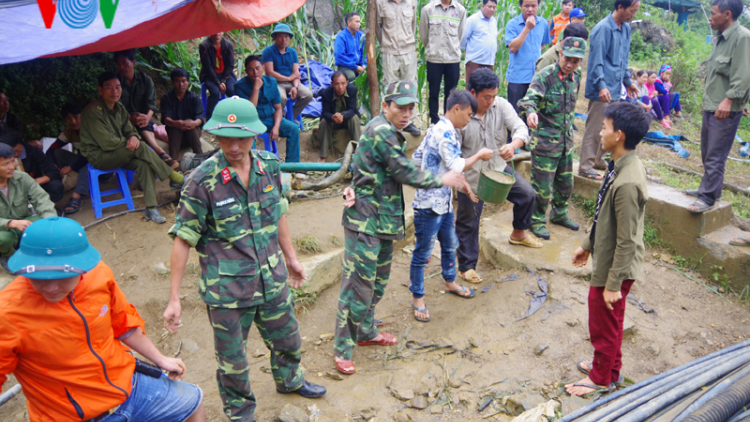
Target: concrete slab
<point>668,207</point>
<point>584,187</point>
<point>714,248</point>
<point>556,255</point>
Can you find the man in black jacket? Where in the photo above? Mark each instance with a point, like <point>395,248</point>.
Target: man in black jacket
<point>8,120</point>
<point>339,112</point>
<point>32,161</point>
<point>217,69</point>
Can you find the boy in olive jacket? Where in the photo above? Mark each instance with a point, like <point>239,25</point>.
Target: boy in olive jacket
<point>616,241</point>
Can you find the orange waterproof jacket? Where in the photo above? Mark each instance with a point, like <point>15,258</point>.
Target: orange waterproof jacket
<point>559,24</point>
<point>65,354</point>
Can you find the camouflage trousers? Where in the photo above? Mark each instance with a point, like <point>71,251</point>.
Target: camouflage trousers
<point>280,332</point>
<point>367,267</point>
<point>552,178</point>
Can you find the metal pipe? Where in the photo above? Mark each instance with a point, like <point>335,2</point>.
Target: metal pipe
<point>302,184</point>
<point>10,394</point>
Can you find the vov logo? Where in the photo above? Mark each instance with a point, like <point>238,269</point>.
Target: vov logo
<point>77,13</point>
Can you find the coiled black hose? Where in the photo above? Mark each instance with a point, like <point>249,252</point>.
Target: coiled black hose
<point>741,415</point>
<point>714,391</point>
<point>725,404</point>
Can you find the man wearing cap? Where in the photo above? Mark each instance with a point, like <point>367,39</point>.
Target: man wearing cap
<point>110,141</point>
<point>262,90</point>
<point>282,63</point>
<point>552,55</point>
<point>396,28</point>
<point>549,109</point>
<point>232,212</point>
<point>375,219</point>
<point>22,202</point>
<point>67,331</point>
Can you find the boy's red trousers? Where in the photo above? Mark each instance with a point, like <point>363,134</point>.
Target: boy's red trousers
<point>605,328</point>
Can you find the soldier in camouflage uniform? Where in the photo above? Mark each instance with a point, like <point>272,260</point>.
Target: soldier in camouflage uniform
<point>549,109</point>
<point>375,219</point>
<point>232,212</point>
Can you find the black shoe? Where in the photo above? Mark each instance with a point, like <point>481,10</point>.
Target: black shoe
<point>540,231</point>
<point>155,216</point>
<point>412,130</point>
<point>567,223</point>
<point>4,264</point>
<point>308,390</point>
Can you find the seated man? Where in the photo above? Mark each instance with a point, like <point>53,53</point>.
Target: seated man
<point>281,63</point>
<point>21,197</point>
<point>263,92</point>
<point>8,120</point>
<point>349,48</point>
<point>182,113</point>
<point>339,112</point>
<point>217,69</point>
<point>74,161</point>
<point>109,141</point>
<point>488,128</point>
<point>32,161</point>
<point>139,99</point>
<point>65,332</point>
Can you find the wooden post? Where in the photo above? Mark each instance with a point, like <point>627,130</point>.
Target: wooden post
<point>372,64</point>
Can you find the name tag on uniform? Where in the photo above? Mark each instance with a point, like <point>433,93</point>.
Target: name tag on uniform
<point>226,176</point>
<point>224,202</point>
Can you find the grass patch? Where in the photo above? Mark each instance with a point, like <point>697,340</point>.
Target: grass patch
<point>689,263</point>
<point>303,298</point>
<point>651,235</point>
<point>335,241</point>
<point>309,244</point>
<point>587,205</point>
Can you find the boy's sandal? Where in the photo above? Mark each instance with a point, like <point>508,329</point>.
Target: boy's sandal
<point>591,174</point>
<point>740,241</point>
<point>346,367</point>
<point>585,370</point>
<point>422,310</point>
<point>74,205</point>
<point>597,389</point>
<point>471,276</point>
<point>387,340</point>
<point>458,292</point>
<point>527,241</point>
<point>701,207</point>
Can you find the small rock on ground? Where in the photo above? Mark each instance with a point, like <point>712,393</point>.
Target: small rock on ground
<point>160,268</point>
<point>292,413</point>
<point>419,402</point>
<point>539,349</point>
<point>653,349</point>
<point>189,345</point>
<point>401,417</point>
<point>403,394</point>
<point>436,409</point>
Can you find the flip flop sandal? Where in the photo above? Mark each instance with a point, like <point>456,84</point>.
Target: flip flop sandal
<point>701,207</point>
<point>591,174</point>
<point>597,389</point>
<point>346,367</point>
<point>458,292</point>
<point>527,241</point>
<point>170,162</point>
<point>387,340</point>
<point>74,205</point>
<point>424,311</point>
<point>585,370</point>
<point>471,276</point>
<point>744,241</point>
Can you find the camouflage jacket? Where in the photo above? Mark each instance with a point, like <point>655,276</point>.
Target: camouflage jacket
<point>380,170</point>
<point>235,230</point>
<point>552,97</point>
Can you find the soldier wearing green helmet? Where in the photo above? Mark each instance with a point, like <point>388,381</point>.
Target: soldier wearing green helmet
<point>233,213</point>
<point>549,110</point>
<point>374,218</point>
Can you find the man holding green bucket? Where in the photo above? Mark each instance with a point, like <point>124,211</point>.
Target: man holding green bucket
<point>488,128</point>
<point>549,108</point>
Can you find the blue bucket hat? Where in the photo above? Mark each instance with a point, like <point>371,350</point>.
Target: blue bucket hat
<point>282,28</point>
<point>52,248</point>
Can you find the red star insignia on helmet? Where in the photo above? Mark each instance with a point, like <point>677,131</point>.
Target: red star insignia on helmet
<point>232,118</point>
<point>407,86</point>
<point>575,43</point>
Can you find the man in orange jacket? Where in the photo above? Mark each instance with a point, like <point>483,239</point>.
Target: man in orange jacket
<point>65,330</point>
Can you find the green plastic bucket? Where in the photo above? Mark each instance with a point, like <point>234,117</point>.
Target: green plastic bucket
<point>494,191</point>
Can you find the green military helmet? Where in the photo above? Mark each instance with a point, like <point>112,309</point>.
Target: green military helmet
<point>53,248</point>
<point>235,118</point>
<point>574,47</point>
<point>401,93</point>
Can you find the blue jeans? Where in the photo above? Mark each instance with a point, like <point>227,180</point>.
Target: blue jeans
<point>158,400</point>
<point>289,130</point>
<point>429,226</point>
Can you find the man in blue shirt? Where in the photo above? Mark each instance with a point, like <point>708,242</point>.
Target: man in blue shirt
<point>524,36</point>
<point>480,39</point>
<point>349,48</point>
<point>264,93</point>
<point>607,71</point>
<point>282,63</point>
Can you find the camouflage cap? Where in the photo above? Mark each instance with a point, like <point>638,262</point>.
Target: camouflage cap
<point>401,93</point>
<point>574,47</point>
<point>235,118</point>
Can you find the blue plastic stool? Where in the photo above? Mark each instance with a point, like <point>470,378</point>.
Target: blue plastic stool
<point>204,98</point>
<point>123,176</point>
<point>267,144</point>
<point>290,112</point>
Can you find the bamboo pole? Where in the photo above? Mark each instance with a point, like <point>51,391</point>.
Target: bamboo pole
<point>372,64</point>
